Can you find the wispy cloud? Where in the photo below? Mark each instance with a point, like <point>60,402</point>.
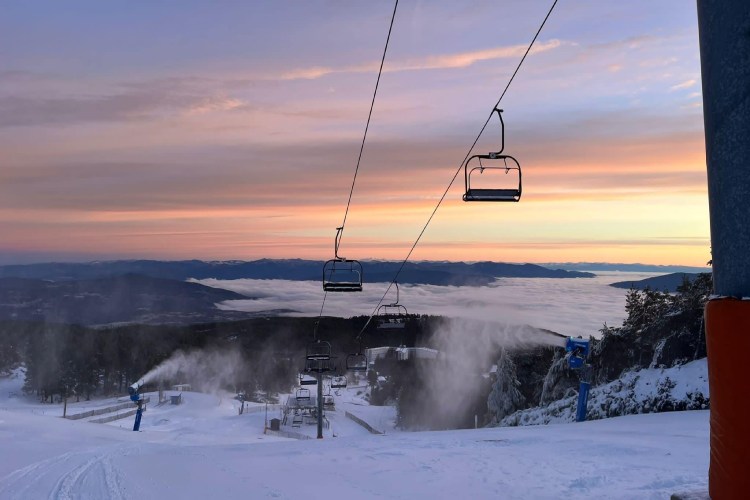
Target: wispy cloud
<point>118,103</point>
<point>443,61</point>
<point>683,85</point>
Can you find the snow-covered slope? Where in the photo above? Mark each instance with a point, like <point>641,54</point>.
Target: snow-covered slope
<point>204,449</point>
<point>682,387</point>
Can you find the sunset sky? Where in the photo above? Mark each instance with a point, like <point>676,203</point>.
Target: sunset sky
<point>230,130</point>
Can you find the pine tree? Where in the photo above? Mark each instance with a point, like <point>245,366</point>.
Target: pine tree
<point>505,398</point>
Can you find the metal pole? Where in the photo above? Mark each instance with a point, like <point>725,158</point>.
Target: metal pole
<point>583,399</point>
<point>725,67</point>
<point>724,29</point>
<point>319,375</point>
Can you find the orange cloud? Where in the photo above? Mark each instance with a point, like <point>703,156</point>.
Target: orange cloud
<point>443,61</point>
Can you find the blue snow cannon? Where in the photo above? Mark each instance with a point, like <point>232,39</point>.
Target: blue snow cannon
<point>133,391</point>
<point>579,350</point>
<point>137,398</point>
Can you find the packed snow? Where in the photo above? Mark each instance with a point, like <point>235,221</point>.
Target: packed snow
<point>203,448</point>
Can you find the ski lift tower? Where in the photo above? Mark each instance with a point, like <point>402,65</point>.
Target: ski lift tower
<point>318,360</point>
<point>724,36</point>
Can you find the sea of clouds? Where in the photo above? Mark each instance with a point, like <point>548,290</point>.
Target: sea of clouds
<point>571,306</point>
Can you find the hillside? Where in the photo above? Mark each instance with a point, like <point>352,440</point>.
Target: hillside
<point>667,283</point>
<point>129,298</point>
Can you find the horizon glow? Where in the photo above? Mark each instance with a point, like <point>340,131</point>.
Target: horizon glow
<point>145,131</point>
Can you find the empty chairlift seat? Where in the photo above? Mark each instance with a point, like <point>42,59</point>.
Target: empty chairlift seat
<point>302,395</point>
<point>356,362</point>
<point>338,383</point>
<point>318,349</point>
<point>391,316</point>
<point>490,187</point>
<point>342,275</point>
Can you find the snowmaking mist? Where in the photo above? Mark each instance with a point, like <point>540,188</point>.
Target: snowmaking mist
<point>205,370</point>
<point>469,349</point>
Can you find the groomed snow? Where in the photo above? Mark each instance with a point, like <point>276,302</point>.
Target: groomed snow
<point>204,449</point>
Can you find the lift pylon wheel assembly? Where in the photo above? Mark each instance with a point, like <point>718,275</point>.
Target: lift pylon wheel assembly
<point>341,274</point>
<point>492,162</point>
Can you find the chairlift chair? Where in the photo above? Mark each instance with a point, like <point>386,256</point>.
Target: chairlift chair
<point>318,350</point>
<point>297,421</point>
<point>320,365</point>
<point>356,362</point>
<point>392,316</point>
<point>307,380</point>
<point>493,161</point>
<point>341,274</point>
<point>338,382</point>
<point>302,394</point>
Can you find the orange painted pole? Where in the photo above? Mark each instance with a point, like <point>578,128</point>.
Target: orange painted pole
<point>728,345</point>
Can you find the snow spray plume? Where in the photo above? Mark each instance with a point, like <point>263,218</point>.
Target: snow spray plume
<point>204,370</point>
<point>469,348</point>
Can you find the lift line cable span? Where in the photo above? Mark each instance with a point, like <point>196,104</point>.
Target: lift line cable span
<point>369,117</point>
<point>458,170</point>
<point>361,150</point>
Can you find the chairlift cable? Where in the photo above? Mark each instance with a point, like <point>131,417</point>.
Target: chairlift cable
<point>369,116</point>
<point>359,158</point>
<point>458,170</point>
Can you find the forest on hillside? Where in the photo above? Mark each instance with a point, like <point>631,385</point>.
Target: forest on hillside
<point>661,330</point>
<point>78,361</point>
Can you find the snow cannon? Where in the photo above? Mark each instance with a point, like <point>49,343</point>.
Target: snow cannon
<point>579,350</point>
<point>137,398</point>
<point>133,390</point>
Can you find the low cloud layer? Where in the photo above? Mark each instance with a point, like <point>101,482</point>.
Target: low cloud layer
<point>568,306</point>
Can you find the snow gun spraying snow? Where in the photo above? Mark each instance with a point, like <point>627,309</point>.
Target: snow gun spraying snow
<point>137,398</point>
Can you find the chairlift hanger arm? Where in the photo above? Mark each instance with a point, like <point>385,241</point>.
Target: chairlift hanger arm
<point>502,130</point>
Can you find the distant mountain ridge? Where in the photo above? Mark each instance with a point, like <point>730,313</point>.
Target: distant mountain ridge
<point>666,283</point>
<point>636,268</point>
<point>431,273</point>
<point>129,298</point>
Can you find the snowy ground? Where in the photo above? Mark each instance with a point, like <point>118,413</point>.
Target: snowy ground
<point>642,391</point>
<point>204,449</point>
